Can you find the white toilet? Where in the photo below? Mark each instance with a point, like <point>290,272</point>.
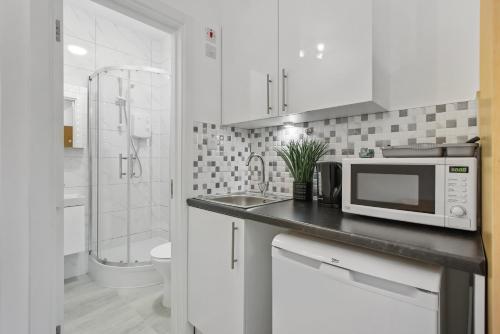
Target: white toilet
<point>161,257</point>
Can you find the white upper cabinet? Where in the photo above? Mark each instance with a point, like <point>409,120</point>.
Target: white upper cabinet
<point>249,57</point>
<point>426,52</point>
<point>333,58</point>
<point>325,54</point>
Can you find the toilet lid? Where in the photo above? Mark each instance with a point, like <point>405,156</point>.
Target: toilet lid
<point>163,251</point>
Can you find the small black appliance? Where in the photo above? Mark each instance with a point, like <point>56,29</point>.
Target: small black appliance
<point>329,183</point>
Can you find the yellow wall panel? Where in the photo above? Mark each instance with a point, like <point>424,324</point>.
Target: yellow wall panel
<point>489,129</point>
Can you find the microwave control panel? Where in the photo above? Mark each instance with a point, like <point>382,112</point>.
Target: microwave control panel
<point>461,193</point>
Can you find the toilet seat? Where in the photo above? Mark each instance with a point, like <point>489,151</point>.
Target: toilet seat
<point>162,252</point>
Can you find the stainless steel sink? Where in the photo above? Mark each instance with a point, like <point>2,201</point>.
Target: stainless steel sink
<point>245,200</point>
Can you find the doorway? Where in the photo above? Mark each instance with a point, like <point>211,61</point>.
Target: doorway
<point>119,83</point>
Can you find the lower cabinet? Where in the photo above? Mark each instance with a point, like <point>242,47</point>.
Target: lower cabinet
<point>74,229</point>
<point>229,274</point>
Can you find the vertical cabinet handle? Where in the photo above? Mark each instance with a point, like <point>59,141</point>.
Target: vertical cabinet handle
<point>284,77</point>
<point>268,83</point>
<point>233,230</point>
<point>121,174</point>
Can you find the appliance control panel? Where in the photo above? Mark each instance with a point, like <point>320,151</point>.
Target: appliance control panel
<point>461,193</point>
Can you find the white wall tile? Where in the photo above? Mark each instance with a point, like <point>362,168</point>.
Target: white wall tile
<point>112,143</point>
<point>112,197</point>
<point>116,36</point>
<point>161,99</point>
<point>76,76</point>
<point>161,217</point>
<point>76,171</point>
<point>113,225</point>
<point>140,220</point>
<point>140,194</point>
<point>78,21</point>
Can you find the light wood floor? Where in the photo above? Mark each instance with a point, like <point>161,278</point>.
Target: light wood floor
<point>93,309</point>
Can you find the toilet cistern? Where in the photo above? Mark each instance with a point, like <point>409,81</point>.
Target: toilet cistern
<point>263,185</point>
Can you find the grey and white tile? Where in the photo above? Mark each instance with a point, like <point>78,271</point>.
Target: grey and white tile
<point>217,163</point>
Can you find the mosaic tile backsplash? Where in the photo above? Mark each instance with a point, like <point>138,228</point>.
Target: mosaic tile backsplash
<point>221,152</point>
<point>219,164</point>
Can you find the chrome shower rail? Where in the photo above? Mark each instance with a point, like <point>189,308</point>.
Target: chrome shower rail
<point>129,68</point>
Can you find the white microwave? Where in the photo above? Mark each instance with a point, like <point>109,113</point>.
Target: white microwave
<point>430,191</point>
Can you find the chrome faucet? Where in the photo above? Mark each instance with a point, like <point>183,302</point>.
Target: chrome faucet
<point>263,185</point>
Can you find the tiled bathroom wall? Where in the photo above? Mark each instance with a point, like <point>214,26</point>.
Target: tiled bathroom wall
<point>112,39</point>
<point>345,136</point>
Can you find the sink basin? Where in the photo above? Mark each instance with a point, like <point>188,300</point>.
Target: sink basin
<point>245,200</point>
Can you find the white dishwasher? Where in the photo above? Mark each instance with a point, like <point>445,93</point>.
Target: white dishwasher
<point>320,287</point>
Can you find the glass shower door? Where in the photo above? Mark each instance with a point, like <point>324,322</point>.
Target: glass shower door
<point>140,189</point>
<point>112,166</point>
<point>128,154</point>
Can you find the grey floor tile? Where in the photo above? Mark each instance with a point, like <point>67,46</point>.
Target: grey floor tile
<point>93,309</point>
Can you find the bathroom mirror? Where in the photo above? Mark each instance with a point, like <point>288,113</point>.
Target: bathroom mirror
<point>75,106</point>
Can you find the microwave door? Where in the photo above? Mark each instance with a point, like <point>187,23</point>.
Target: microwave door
<point>399,187</point>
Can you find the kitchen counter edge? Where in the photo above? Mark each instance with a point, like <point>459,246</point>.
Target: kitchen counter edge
<point>472,264</point>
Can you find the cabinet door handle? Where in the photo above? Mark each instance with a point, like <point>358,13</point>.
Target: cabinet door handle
<point>233,230</point>
<point>268,83</point>
<point>284,77</point>
<point>121,174</point>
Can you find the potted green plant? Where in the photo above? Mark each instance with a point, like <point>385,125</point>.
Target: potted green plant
<point>300,157</point>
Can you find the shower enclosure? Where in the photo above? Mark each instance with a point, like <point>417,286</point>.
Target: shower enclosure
<point>128,119</point>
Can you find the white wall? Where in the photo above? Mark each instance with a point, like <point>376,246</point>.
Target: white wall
<point>201,101</point>
<point>14,205</point>
<point>205,73</point>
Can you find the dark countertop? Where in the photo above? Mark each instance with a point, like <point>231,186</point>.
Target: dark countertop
<point>462,250</point>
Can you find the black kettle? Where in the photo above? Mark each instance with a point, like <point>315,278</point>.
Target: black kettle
<point>329,183</point>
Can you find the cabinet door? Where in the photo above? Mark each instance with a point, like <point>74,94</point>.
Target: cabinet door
<point>426,52</point>
<point>74,229</point>
<point>215,282</point>
<point>325,50</point>
<point>249,60</point>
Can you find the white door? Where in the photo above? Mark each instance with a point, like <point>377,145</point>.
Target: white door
<point>249,60</point>
<point>31,167</point>
<point>215,282</point>
<point>325,54</point>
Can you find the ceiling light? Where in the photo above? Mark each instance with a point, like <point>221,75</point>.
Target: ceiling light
<point>301,53</point>
<point>77,50</point>
<point>319,55</point>
<point>321,47</point>
<point>288,125</point>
